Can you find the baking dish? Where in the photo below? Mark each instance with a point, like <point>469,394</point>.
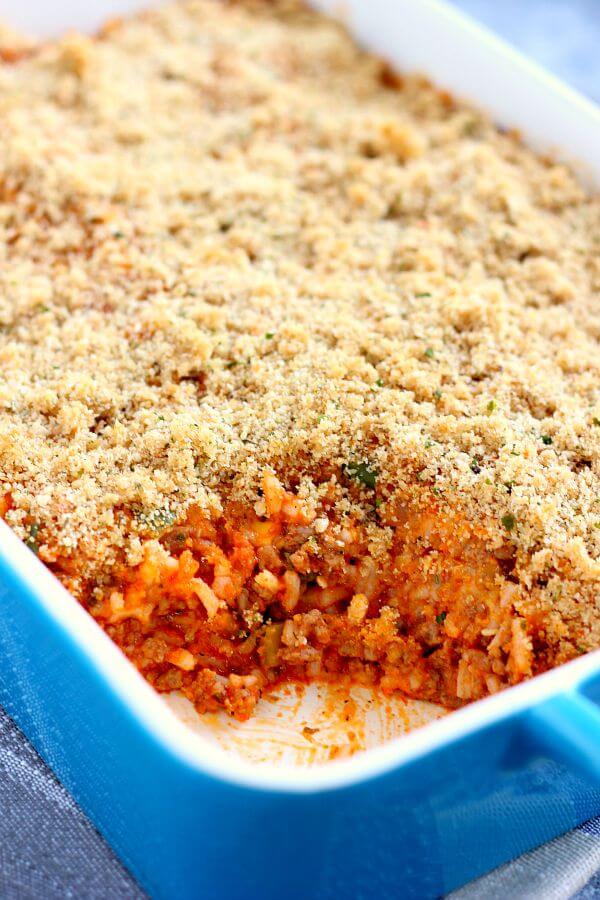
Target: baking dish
<point>413,817</point>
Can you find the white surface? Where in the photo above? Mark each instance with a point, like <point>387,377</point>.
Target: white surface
<point>48,18</point>
<point>562,35</point>
<point>413,34</point>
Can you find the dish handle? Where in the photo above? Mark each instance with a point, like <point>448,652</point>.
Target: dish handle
<point>567,727</point>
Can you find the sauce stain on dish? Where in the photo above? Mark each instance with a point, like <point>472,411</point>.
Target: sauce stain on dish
<point>308,725</point>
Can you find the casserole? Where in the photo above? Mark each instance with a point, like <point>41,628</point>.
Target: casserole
<point>435,812</point>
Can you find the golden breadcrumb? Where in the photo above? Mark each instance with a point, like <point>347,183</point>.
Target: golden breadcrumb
<point>232,242</point>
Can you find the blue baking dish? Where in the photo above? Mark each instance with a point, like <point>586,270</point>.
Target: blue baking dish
<point>415,817</point>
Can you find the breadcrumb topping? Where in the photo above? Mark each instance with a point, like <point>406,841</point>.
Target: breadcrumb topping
<point>230,240</point>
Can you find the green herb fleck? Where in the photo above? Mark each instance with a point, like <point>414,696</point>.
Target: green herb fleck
<point>269,335</point>
<point>441,618</point>
<point>491,406</point>
<point>30,541</point>
<point>158,519</point>
<point>437,394</point>
<point>379,382</point>
<point>509,521</point>
<point>546,439</point>
<point>596,420</point>
<point>420,296</point>
<point>475,467</point>
<point>231,364</point>
<point>363,472</point>
<point>429,353</point>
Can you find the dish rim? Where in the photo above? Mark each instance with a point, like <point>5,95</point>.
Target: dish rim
<point>444,16</point>
<point>178,740</point>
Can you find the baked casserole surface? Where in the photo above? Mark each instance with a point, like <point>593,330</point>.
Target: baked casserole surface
<point>299,361</point>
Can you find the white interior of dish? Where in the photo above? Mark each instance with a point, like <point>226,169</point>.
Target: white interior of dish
<point>295,732</point>
<point>309,725</point>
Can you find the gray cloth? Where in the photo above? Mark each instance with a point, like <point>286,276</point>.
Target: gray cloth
<point>48,849</point>
<point>564,869</point>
